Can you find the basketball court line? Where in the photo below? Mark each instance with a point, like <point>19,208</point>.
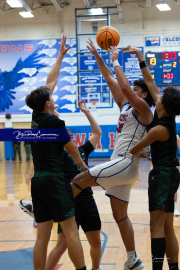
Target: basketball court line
<point>18,253</point>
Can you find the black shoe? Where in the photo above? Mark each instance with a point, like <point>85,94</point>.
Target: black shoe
<point>26,207</point>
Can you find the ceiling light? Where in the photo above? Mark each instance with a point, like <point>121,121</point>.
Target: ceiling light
<point>163,7</point>
<point>96,11</point>
<point>14,3</point>
<point>26,14</point>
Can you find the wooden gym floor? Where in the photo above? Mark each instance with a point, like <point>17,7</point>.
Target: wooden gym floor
<point>17,234</point>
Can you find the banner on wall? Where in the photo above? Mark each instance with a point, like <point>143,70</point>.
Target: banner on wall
<point>131,67</point>
<point>152,41</point>
<point>24,66</point>
<point>172,40</point>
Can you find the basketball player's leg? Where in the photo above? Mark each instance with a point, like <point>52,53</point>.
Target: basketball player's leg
<point>163,183</point>
<point>119,209</point>
<point>158,241</point>
<point>40,248</point>
<point>112,173</point>
<point>55,199</point>
<point>74,246</point>
<point>119,198</point>
<point>56,252</point>
<point>94,240</point>
<point>157,200</point>
<point>172,247</point>
<point>91,225</point>
<point>82,181</point>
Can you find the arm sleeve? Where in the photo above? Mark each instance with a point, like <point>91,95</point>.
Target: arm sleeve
<point>87,147</point>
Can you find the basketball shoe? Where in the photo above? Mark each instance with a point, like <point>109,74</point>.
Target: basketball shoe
<point>135,264</point>
<point>176,212</point>
<point>27,207</point>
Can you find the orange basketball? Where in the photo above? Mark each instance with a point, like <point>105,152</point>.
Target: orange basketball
<point>107,36</point>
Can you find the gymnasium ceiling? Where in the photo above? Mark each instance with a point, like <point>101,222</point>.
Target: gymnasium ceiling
<point>58,5</point>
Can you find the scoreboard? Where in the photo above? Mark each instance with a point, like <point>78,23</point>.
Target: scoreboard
<point>164,67</point>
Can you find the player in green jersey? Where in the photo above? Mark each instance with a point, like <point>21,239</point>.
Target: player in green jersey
<point>164,177</point>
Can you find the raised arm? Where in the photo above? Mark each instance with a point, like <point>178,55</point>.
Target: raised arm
<point>158,133</point>
<point>108,76</point>
<point>145,72</point>
<point>54,73</point>
<point>74,152</point>
<point>96,130</point>
<point>136,102</point>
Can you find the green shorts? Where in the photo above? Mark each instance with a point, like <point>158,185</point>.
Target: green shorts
<point>52,197</point>
<point>163,184</point>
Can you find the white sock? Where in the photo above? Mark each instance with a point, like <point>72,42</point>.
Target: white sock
<point>175,205</point>
<point>131,255</point>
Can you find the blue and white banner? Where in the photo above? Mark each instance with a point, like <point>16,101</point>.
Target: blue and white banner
<point>131,67</point>
<point>24,66</point>
<point>172,40</point>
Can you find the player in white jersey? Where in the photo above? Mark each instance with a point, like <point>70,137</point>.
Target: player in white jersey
<point>118,175</point>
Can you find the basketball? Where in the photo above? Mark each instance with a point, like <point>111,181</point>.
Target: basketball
<point>107,36</point>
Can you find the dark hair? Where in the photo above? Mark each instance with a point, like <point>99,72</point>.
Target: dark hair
<point>142,84</point>
<point>36,99</point>
<point>171,100</point>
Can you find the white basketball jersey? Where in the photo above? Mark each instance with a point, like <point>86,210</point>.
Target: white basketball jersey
<point>129,131</point>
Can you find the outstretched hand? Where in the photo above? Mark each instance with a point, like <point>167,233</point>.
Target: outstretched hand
<point>63,49</point>
<point>115,53</point>
<point>131,50</point>
<point>83,107</point>
<point>91,47</point>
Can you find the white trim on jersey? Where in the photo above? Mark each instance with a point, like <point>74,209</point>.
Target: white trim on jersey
<point>119,160</point>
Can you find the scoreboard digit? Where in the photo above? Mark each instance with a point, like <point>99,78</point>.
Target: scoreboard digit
<point>164,67</point>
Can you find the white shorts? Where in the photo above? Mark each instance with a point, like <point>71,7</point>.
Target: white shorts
<point>116,176</point>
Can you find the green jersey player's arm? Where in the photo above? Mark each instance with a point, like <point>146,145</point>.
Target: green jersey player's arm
<point>96,130</point>
<point>54,73</point>
<point>31,172</point>
<point>114,87</point>
<point>139,104</point>
<point>158,133</point>
<point>74,152</point>
<point>145,72</point>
